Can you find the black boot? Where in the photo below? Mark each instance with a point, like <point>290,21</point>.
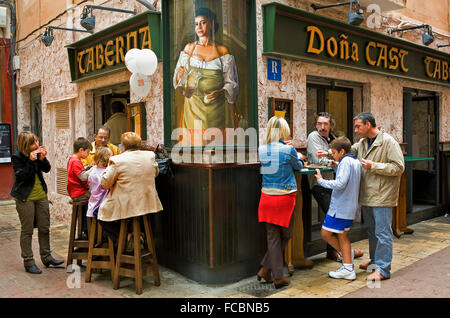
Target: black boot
<point>54,262</point>
<point>33,269</point>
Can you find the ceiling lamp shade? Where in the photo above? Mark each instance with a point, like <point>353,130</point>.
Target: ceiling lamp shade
<point>427,35</point>
<point>47,37</point>
<point>87,19</point>
<point>353,18</point>
<point>88,23</point>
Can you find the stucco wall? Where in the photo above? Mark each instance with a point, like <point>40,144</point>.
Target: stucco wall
<point>437,12</point>
<point>48,67</point>
<point>384,100</point>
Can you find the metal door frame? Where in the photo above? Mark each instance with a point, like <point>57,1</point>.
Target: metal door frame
<point>321,95</point>
<point>36,106</point>
<point>408,99</point>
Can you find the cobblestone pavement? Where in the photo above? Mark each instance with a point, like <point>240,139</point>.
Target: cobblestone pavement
<point>420,268</point>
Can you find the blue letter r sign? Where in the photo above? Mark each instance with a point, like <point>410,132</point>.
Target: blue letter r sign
<point>274,69</point>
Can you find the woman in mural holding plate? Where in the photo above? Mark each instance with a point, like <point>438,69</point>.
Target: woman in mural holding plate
<point>207,75</point>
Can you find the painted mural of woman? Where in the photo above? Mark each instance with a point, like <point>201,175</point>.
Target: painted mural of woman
<point>207,75</point>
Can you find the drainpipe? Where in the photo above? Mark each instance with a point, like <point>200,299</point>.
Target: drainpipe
<point>13,78</point>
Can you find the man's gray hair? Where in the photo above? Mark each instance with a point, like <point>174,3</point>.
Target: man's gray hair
<point>104,128</point>
<point>326,115</point>
<point>366,117</point>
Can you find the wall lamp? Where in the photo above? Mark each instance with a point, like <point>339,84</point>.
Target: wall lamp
<point>443,45</point>
<point>88,22</point>
<point>427,35</point>
<point>47,37</point>
<point>354,18</point>
<point>147,5</point>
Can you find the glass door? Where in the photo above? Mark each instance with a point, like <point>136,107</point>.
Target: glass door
<point>103,99</point>
<point>334,100</point>
<point>337,101</point>
<point>421,129</point>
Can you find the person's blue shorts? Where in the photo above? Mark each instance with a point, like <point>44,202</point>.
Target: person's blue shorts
<point>336,225</point>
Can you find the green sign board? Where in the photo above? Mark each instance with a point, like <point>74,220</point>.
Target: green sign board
<point>104,52</point>
<point>296,34</point>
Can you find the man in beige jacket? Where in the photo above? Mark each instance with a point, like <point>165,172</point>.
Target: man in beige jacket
<point>383,164</point>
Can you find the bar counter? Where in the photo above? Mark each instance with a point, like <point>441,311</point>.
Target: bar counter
<point>294,254</point>
<point>399,226</point>
<point>209,229</point>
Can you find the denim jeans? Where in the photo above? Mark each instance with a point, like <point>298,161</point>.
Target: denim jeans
<point>378,223</point>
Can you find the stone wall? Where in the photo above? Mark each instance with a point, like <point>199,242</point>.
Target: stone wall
<point>383,95</point>
<point>48,68</point>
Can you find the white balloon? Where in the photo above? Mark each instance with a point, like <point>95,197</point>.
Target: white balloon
<point>140,84</point>
<point>131,58</point>
<point>147,62</point>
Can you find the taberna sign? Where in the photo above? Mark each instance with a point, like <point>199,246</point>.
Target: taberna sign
<point>296,34</point>
<point>112,52</point>
<point>104,52</point>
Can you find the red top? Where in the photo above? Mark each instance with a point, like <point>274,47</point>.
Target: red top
<point>75,186</point>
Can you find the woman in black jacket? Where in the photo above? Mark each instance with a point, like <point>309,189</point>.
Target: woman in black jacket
<point>30,193</point>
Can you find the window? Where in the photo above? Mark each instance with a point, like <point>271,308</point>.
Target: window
<point>36,111</point>
<point>336,101</point>
<point>103,99</point>
<point>282,108</point>
<point>323,95</point>
<point>137,120</point>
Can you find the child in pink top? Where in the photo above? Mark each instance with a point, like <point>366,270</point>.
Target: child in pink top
<point>98,193</point>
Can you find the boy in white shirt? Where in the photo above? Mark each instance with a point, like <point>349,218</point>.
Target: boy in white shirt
<point>343,205</point>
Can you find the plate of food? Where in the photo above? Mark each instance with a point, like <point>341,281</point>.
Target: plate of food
<point>314,166</point>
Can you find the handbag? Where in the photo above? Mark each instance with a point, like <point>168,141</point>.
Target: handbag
<point>163,160</point>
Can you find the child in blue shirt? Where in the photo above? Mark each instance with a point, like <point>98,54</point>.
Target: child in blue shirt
<point>343,205</point>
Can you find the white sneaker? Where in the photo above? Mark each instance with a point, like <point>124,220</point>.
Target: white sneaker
<point>343,273</point>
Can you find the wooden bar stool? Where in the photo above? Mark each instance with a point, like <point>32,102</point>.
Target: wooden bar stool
<point>78,247</point>
<point>100,253</point>
<point>141,262</point>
